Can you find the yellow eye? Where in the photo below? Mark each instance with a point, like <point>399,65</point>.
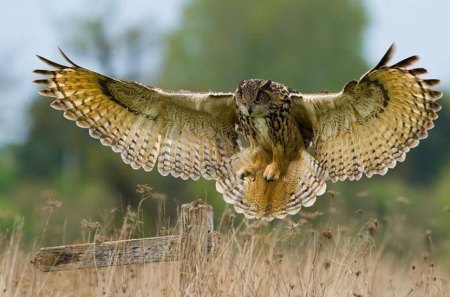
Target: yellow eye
<point>262,97</point>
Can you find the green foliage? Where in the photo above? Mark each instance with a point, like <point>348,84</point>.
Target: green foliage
<point>9,171</point>
<point>306,44</point>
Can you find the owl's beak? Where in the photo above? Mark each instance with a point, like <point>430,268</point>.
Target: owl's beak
<point>249,110</point>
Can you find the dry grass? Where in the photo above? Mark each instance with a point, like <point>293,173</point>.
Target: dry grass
<point>290,261</point>
<point>253,259</point>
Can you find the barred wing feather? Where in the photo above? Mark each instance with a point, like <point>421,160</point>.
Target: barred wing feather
<point>183,133</point>
<point>372,123</point>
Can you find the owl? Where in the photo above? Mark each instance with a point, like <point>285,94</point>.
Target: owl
<point>295,142</point>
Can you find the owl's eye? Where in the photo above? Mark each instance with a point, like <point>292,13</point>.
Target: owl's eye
<point>262,97</point>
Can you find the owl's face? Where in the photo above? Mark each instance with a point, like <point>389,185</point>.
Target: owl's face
<point>253,97</point>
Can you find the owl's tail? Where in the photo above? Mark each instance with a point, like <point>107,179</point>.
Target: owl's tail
<point>303,182</point>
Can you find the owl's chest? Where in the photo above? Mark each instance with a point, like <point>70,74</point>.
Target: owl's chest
<point>263,129</point>
<point>268,131</point>
<point>257,130</point>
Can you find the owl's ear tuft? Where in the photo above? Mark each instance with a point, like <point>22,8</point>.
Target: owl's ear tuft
<point>266,84</point>
<point>239,88</point>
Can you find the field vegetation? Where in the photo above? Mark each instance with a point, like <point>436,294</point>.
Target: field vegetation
<point>308,255</point>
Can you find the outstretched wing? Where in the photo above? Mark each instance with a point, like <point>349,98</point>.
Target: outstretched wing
<point>187,134</point>
<point>372,123</point>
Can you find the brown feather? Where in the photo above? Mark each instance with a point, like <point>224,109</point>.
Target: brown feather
<point>299,187</point>
<point>387,57</point>
<point>371,125</point>
<point>144,124</point>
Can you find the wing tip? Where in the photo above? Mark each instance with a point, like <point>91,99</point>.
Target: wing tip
<point>387,56</point>
<point>67,58</point>
<point>403,64</point>
<point>43,72</point>
<point>418,71</point>
<point>51,63</point>
<point>47,93</point>
<point>41,82</point>
<point>54,64</point>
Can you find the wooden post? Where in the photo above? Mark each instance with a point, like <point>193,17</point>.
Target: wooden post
<point>196,243</point>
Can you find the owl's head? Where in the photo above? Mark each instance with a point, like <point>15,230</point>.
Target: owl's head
<point>258,97</point>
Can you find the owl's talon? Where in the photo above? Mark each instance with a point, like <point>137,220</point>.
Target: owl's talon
<point>272,172</point>
<point>244,173</point>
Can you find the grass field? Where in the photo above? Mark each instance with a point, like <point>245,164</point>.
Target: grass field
<point>254,259</point>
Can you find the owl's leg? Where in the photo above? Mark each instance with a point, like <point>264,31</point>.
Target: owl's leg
<point>256,162</point>
<point>273,170</point>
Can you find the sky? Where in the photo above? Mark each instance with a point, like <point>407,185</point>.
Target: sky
<point>417,26</point>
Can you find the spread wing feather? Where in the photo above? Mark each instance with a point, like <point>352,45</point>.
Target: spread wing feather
<point>183,133</point>
<point>372,123</point>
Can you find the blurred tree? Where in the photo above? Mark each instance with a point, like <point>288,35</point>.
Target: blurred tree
<point>309,45</point>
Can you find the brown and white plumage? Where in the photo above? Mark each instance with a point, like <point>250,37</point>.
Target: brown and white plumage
<point>372,123</point>
<point>297,141</point>
<point>302,182</point>
<point>182,133</point>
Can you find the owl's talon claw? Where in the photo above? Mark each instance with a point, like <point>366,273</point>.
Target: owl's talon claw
<point>243,174</point>
<point>272,172</point>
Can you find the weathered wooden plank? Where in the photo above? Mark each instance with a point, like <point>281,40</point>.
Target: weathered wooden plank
<point>121,252</point>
